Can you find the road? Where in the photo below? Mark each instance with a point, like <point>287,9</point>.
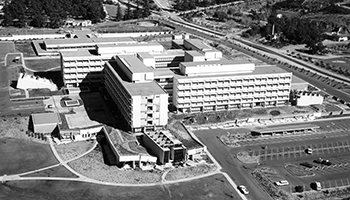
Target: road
<point>312,80</point>
<point>231,166</point>
<point>278,154</point>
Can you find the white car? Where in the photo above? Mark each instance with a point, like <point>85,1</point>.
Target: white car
<point>243,189</point>
<point>282,183</point>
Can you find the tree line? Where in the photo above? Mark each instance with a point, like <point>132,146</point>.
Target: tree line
<point>50,13</point>
<point>142,10</point>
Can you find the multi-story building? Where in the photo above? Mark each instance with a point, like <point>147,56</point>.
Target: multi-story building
<point>82,67</point>
<point>227,84</point>
<point>165,59</point>
<point>142,102</point>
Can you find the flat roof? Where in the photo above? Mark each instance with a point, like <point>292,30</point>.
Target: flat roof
<point>163,72</point>
<point>45,118</point>
<point>88,40</point>
<point>257,71</point>
<point>134,64</point>
<point>78,53</point>
<point>163,138</point>
<point>199,44</point>
<point>143,89</point>
<point>216,62</point>
<point>145,55</point>
<point>126,44</point>
<point>294,127</point>
<point>167,53</point>
<point>194,53</point>
<point>296,80</point>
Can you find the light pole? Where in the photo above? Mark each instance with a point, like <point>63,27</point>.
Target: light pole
<point>279,16</point>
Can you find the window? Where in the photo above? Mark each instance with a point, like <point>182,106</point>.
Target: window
<point>149,100</point>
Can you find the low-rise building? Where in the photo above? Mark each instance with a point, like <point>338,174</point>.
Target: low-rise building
<point>209,52</point>
<point>44,122</point>
<point>308,98</point>
<point>70,44</point>
<point>164,146</point>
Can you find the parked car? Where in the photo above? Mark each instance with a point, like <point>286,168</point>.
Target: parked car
<point>323,161</point>
<point>243,189</point>
<point>308,151</point>
<point>282,183</point>
<point>306,164</point>
<point>316,185</point>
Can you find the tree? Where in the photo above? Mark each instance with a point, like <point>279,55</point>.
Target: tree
<point>220,15</point>
<point>119,15</point>
<point>52,13</point>
<point>127,15</point>
<point>146,9</point>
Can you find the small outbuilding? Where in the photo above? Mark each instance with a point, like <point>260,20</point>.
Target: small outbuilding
<point>44,122</point>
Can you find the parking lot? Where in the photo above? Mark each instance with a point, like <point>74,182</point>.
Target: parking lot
<point>298,151</point>
<point>336,150</point>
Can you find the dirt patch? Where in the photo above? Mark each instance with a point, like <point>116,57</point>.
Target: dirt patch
<point>92,165</point>
<point>244,157</point>
<point>298,171</point>
<point>73,149</point>
<point>189,171</point>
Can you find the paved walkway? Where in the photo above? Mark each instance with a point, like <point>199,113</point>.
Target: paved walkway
<point>82,178</point>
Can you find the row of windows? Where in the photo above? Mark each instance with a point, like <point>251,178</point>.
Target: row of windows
<point>230,89</point>
<point>230,81</point>
<point>238,102</point>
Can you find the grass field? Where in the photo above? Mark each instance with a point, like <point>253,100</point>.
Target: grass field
<point>26,48</point>
<point>6,47</point>
<point>42,65</point>
<point>112,10</point>
<point>25,31</point>
<point>18,156</point>
<point>73,149</point>
<point>59,171</point>
<point>213,187</point>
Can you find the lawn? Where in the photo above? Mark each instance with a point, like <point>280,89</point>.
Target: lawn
<point>6,47</point>
<point>213,187</point>
<point>73,149</point>
<point>42,65</point>
<point>11,60</point>
<point>93,166</point>
<point>26,48</point>
<point>8,31</point>
<point>112,10</point>
<point>59,171</point>
<point>18,156</point>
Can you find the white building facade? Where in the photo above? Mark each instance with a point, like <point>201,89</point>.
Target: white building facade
<point>225,86</point>
<point>142,102</point>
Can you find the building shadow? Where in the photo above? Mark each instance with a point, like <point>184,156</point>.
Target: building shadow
<point>95,103</point>
<point>54,76</point>
<point>108,156</point>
